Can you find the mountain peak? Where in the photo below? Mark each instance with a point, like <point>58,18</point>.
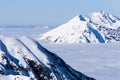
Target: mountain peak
<point>99,27</point>
<point>99,12</point>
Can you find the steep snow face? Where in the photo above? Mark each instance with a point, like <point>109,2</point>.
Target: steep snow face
<point>99,27</point>
<point>26,59</point>
<point>104,19</point>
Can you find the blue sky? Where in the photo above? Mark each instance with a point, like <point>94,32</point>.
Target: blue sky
<point>51,12</point>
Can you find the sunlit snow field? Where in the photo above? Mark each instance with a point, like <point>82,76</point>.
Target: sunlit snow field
<point>101,61</point>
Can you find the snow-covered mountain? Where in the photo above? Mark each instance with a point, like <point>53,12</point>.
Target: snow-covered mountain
<point>99,27</point>
<point>26,59</point>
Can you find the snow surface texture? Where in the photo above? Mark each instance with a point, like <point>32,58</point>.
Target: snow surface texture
<point>101,61</point>
<point>99,27</point>
<point>26,59</point>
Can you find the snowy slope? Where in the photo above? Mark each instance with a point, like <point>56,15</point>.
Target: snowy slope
<point>99,27</point>
<point>26,59</point>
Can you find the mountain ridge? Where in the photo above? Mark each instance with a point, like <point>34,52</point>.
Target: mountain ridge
<point>99,27</point>
<point>26,59</point>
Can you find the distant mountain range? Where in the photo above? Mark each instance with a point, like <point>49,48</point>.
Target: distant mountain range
<point>26,59</point>
<point>99,27</point>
